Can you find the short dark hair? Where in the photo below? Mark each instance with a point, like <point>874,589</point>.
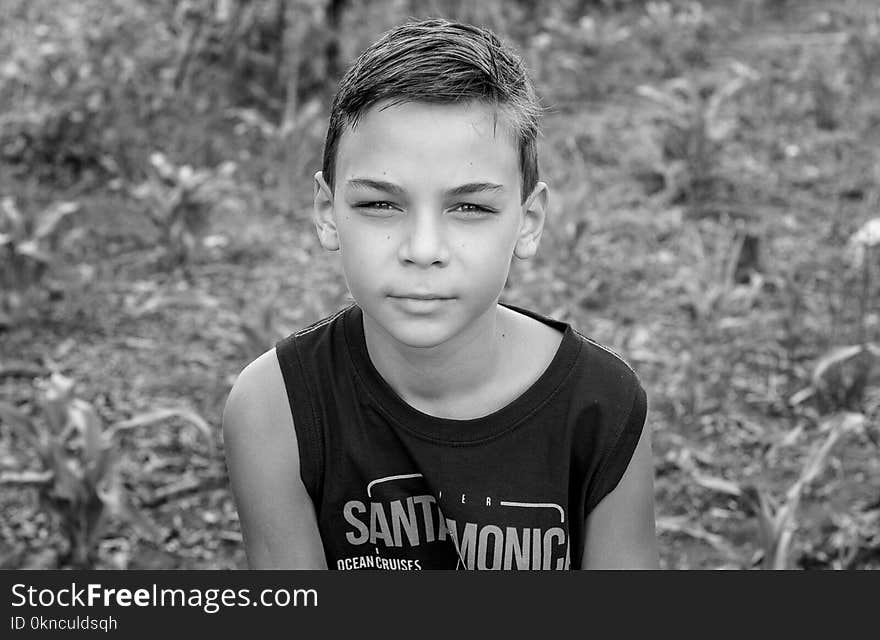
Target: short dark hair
<point>442,62</point>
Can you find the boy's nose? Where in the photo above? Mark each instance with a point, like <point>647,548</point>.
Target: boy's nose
<point>424,244</point>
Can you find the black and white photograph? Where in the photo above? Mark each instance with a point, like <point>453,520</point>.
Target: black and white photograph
<point>419,285</point>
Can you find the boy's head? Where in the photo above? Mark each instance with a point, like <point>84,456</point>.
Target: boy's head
<point>440,62</point>
<point>430,181</point>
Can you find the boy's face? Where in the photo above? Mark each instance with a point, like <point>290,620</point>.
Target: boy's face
<point>427,215</point>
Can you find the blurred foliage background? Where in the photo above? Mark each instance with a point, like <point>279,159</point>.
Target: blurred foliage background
<point>715,181</point>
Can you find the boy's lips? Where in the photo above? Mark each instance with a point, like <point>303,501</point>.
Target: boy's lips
<point>420,296</point>
<point>420,303</point>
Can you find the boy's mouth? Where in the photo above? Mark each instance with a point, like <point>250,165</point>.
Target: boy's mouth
<point>420,305</point>
<point>419,296</point>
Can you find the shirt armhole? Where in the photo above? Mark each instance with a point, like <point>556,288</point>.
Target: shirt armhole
<point>309,435</point>
<point>621,451</point>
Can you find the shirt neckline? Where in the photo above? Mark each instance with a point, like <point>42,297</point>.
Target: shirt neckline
<point>448,430</point>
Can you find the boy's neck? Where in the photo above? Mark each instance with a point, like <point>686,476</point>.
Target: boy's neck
<point>448,380</point>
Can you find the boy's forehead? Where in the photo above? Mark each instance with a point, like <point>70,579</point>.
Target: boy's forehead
<point>421,137</point>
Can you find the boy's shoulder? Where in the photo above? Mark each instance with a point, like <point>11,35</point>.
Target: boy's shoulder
<point>609,382</point>
<point>314,331</point>
<point>324,322</point>
<point>605,358</point>
<point>594,355</point>
<point>257,403</point>
<point>595,373</point>
<point>258,377</point>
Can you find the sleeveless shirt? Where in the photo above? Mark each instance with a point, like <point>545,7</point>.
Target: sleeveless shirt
<point>397,489</point>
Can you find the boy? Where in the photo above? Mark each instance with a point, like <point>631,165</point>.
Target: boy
<point>428,426</point>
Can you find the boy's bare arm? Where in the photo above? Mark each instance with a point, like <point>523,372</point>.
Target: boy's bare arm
<point>620,529</point>
<point>277,516</point>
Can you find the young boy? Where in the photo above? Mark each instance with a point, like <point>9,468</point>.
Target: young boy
<point>427,425</point>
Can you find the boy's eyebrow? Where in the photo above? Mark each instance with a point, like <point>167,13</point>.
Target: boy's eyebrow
<point>474,187</point>
<point>390,187</point>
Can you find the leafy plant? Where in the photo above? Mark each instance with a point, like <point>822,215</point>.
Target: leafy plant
<point>857,537</point>
<point>864,45</point>
<point>677,35</point>
<point>777,521</point>
<point>713,296</point>
<point>841,376</point>
<point>80,84</point>
<point>179,201</point>
<point>862,247</point>
<point>79,479</point>
<point>712,284</point>
<point>824,95</point>
<point>693,126</point>
<point>29,247</point>
<point>181,295</point>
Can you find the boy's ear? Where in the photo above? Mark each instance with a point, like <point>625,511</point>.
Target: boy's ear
<point>325,223</point>
<point>534,214</point>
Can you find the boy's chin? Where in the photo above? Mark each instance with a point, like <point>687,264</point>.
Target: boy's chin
<point>420,332</point>
<point>418,327</point>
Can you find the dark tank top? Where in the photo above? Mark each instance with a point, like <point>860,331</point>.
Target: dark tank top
<point>398,489</point>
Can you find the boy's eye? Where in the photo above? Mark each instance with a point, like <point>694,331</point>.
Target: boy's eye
<point>376,205</point>
<point>473,210</point>
<point>376,208</point>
